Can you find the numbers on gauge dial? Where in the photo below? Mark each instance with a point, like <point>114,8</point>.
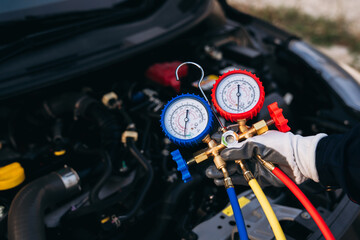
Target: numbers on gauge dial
<point>186,118</point>
<point>237,93</point>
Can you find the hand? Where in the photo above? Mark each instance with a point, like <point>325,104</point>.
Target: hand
<point>294,154</point>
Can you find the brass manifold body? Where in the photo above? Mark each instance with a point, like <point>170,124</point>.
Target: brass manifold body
<point>218,161</point>
<point>215,148</point>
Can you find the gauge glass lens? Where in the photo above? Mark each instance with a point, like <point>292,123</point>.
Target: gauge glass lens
<point>237,93</point>
<point>186,118</point>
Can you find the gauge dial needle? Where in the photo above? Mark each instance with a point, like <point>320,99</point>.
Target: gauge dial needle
<point>186,119</point>
<point>238,94</point>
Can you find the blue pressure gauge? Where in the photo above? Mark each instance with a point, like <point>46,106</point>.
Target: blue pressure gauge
<point>186,119</point>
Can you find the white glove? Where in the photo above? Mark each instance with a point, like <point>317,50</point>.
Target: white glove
<point>294,154</point>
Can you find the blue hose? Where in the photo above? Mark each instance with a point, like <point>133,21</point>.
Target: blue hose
<point>237,213</point>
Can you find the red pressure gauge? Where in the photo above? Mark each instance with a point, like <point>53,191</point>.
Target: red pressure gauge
<point>238,94</point>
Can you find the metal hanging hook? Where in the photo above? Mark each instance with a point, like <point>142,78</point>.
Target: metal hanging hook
<point>201,78</point>
<point>223,128</point>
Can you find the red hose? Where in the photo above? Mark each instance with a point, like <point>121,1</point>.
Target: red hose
<point>304,201</point>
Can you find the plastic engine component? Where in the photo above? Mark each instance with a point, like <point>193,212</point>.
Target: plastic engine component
<point>278,117</point>
<point>11,176</point>
<point>164,74</point>
<point>182,166</point>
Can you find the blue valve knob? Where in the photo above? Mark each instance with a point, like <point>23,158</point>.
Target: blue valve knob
<point>182,165</point>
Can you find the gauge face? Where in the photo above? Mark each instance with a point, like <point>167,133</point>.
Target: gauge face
<point>238,94</point>
<point>186,118</point>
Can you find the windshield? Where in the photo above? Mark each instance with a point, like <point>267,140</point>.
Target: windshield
<point>14,10</point>
<point>28,24</point>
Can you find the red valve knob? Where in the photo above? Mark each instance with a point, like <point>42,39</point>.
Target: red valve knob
<point>278,117</point>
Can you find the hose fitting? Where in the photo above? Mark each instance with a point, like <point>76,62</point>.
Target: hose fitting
<point>268,165</point>
<point>227,180</point>
<point>246,172</point>
<point>70,178</point>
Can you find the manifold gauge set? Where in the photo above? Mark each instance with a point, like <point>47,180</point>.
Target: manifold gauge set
<point>237,96</point>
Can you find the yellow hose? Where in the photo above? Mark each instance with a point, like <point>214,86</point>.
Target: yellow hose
<point>269,212</point>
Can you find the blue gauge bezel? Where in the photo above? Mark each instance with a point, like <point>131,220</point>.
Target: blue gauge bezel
<point>197,139</point>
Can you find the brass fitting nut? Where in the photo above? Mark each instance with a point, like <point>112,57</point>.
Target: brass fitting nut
<point>219,162</point>
<point>248,176</point>
<point>207,139</point>
<point>212,144</point>
<point>228,182</point>
<point>260,127</point>
<point>246,172</point>
<point>201,157</point>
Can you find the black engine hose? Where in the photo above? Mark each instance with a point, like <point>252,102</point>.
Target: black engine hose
<point>150,176</point>
<point>26,214</point>
<point>107,166</point>
<point>129,123</point>
<point>173,199</point>
<point>109,127</point>
<point>89,108</point>
<point>94,193</point>
<point>84,106</point>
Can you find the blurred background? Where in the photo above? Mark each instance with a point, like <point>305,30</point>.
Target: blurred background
<point>331,26</point>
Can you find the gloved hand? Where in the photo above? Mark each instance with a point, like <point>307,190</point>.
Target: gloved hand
<point>294,154</point>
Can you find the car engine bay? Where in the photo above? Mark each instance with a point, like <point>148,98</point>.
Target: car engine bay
<point>101,133</point>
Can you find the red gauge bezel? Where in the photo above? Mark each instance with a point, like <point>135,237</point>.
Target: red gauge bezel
<point>233,117</point>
